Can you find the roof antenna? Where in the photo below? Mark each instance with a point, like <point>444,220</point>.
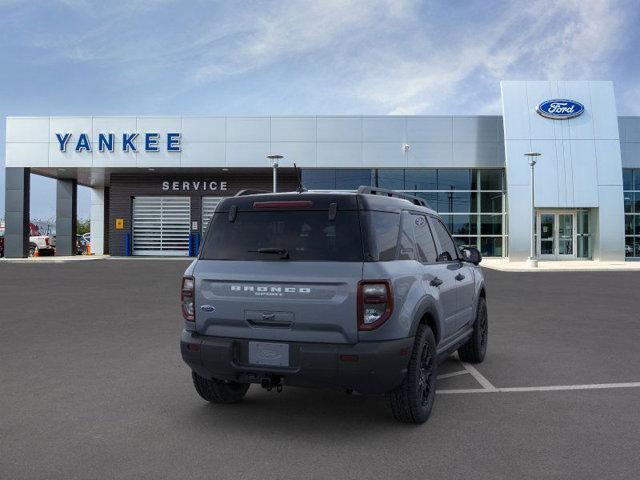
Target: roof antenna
<point>300,188</point>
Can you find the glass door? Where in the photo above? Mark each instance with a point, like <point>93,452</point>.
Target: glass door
<point>557,235</point>
<point>566,231</point>
<point>546,227</point>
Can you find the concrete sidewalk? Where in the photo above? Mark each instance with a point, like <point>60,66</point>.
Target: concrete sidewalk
<point>504,265</point>
<point>54,259</point>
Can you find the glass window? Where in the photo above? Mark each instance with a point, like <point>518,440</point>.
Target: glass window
<point>490,179</point>
<point>454,179</point>
<point>629,249</point>
<point>352,178</point>
<point>319,179</point>
<point>457,202</point>
<point>424,241</point>
<point>407,246</point>
<point>421,179</point>
<point>383,237</point>
<point>627,178</point>
<point>300,235</point>
<point>465,242</point>
<point>628,202</point>
<point>490,224</point>
<point>491,246</point>
<point>636,202</point>
<point>392,178</point>
<point>629,224</point>
<point>636,179</point>
<point>491,202</point>
<point>430,197</point>
<point>461,224</point>
<point>447,250</point>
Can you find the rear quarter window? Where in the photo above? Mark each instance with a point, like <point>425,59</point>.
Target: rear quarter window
<point>383,235</point>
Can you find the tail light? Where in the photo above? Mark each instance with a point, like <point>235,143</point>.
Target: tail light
<point>187,298</point>
<point>375,303</point>
<point>46,241</point>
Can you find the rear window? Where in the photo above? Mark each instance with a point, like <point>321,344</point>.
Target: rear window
<point>305,236</point>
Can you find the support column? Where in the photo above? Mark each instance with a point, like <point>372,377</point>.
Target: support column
<point>17,190</point>
<point>97,221</point>
<point>66,217</point>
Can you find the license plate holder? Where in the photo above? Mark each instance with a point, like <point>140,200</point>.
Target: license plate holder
<point>268,353</point>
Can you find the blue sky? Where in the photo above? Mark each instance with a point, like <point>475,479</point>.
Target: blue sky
<point>78,57</point>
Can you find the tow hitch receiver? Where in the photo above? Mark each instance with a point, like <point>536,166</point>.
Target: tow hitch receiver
<point>270,382</point>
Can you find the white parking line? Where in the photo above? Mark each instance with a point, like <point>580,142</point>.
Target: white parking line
<point>486,384</point>
<point>453,374</point>
<point>550,388</point>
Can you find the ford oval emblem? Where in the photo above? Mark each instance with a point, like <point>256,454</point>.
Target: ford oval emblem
<point>560,109</point>
<point>207,308</point>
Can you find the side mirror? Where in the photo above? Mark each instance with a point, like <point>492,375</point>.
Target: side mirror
<point>471,255</point>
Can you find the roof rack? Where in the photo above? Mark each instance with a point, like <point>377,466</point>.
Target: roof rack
<point>249,191</point>
<point>392,193</point>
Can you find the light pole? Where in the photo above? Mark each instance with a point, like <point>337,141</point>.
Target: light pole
<point>274,163</point>
<point>532,261</point>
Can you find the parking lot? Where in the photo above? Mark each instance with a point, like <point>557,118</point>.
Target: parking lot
<point>92,385</point>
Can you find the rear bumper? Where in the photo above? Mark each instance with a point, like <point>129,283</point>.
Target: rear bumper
<point>366,367</point>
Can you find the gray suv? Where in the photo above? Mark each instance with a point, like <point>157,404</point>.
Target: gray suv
<point>362,291</point>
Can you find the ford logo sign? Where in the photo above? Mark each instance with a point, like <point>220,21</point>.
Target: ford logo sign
<point>560,109</point>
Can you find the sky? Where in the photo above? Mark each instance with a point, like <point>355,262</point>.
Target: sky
<point>148,57</point>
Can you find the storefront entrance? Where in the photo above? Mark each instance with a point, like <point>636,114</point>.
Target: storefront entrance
<point>563,234</point>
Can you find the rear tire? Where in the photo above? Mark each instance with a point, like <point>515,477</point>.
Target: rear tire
<point>474,350</point>
<point>412,401</point>
<point>218,391</point>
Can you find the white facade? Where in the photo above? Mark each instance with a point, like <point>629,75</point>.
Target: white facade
<point>580,165</point>
<point>580,168</point>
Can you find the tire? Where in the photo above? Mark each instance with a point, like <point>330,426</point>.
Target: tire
<point>412,401</point>
<point>32,249</point>
<point>218,391</point>
<point>474,350</point>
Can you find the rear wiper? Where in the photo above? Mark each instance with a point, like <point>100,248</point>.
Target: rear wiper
<point>284,254</point>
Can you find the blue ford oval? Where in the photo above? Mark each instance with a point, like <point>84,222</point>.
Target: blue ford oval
<point>560,109</point>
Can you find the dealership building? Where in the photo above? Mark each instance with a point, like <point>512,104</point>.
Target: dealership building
<point>155,181</point>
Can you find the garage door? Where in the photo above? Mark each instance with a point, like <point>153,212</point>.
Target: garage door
<point>161,225</point>
<point>209,205</point>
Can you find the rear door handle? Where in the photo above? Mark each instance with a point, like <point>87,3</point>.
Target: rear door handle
<point>459,277</point>
<point>436,282</point>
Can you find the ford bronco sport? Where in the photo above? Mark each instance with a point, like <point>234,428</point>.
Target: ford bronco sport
<point>361,291</point>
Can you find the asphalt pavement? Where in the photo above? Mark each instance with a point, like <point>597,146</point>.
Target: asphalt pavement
<point>92,386</point>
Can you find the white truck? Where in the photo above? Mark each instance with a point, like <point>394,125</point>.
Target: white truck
<point>45,244</point>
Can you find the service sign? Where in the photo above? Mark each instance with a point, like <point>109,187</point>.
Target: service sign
<point>560,109</point>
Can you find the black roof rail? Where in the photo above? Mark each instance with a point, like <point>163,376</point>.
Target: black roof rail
<point>249,191</point>
<point>366,190</point>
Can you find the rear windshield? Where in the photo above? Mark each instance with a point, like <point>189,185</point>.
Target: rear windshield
<point>285,236</point>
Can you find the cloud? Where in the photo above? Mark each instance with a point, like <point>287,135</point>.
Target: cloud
<point>390,56</point>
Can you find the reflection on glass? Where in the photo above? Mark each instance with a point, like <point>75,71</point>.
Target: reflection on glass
<point>546,233</point>
<point>491,247</point>
<point>454,179</point>
<point>491,224</point>
<point>319,179</point>
<point>627,178</point>
<point>456,202</point>
<point>421,179</point>
<point>565,234</point>
<point>352,178</point>
<point>491,202</point>
<point>491,179</point>
<point>391,178</point>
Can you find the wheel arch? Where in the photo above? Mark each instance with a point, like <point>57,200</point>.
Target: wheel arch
<point>427,314</point>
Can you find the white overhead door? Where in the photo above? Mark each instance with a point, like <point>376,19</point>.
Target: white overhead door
<point>161,225</point>
<point>209,205</point>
